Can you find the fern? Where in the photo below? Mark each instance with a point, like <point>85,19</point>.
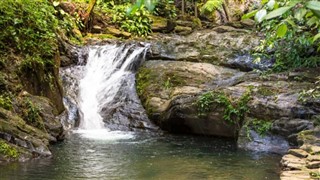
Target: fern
<point>211,5</point>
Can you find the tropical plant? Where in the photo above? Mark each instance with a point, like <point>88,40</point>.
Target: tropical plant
<point>211,5</point>
<point>291,30</point>
<point>28,28</point>
<point>137,21</point>
<point>165,8</point>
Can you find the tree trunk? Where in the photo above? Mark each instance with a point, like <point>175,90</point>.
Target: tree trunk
<point>183,7</point>
<point>226,10</point>
<point>195,9</point>
<point>92,3</point>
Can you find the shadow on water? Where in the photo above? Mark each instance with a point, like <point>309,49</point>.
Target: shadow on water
<point>146,156</point>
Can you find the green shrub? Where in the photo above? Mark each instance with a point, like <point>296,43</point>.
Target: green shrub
<point>291,32</point>
<point>5,102</point>
<point>7,150</point>
<point>30,25</point>
<point>31,114</point>
<point>165,8</point>
<point>234,110</point>
<point>137,22</point>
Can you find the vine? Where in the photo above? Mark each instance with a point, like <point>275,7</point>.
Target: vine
<point>234,111</point>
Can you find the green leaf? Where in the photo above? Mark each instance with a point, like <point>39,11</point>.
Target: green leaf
<point>278,12</point>
<point>316,13</point>
<point>316,37</point>
<point>150,4</point>
<point>282,30</point>
<point>249,15</point>
<point>314,5</point>
<point>300,13</point>
<point>312,21</point>
<point>56,3</point>
<point>271,4</point>
<point>259,17</point>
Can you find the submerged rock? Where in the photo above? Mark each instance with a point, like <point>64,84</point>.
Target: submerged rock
<point>250,140</point>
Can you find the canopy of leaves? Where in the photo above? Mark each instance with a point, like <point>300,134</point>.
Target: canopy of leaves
<point>28,27</point>
<point>292,32</point>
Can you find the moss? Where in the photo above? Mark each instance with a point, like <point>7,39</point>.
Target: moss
<point>101,36</point>
<point>5,102</point>
<point>7,150</point>
<point>143,82</point>
<point>265,91</point>
<point>31,114</point>
<point>2,82</point>
<point>170,80</point>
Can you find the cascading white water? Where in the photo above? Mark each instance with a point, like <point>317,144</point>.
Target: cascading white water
<point>103,92</point>
<point>105,71</point>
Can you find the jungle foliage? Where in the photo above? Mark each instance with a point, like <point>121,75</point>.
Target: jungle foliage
<point>291,31</point>
<point>28,27</point>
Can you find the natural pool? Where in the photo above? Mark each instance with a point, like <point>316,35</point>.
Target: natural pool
<point>127,155</point>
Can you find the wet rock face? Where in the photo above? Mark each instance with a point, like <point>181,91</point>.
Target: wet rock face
<point>28,141</point>
<point>125,112</point>
<point>250,140</point>
<point>170,90</point>
<point>223,45</point>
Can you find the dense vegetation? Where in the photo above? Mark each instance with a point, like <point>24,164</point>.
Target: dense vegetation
<point>30,27</point>
<point>291,31</point>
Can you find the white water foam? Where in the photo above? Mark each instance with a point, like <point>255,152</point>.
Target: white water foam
<point>106,68</point>
<point>104,134</point>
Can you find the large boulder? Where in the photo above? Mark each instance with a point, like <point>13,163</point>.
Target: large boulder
<point>222,45</point>
<point>170,92</point>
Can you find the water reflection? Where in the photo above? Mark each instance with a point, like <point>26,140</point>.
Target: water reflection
<point>143,156</point>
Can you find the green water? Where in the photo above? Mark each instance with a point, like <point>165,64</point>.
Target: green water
<point>146,156</point>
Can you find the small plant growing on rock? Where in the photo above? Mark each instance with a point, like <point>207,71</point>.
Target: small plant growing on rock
<point>31,114</point>
<point>7,150</point>
<point>234,111</point>
<point>5,102</point>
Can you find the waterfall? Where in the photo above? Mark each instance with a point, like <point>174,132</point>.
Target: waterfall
<point>103,90</point>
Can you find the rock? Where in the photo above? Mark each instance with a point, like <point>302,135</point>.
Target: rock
<point>183,30</point>
<point>313,165</point>
<point>159,24</point>
<point>298,153</point>
<point>117,33</point>
<point>216,46</point>
<point>49,116</point>
<point>252,141</point>
<point>169,91</point>
<point>295,175</point>
<point>248,23</point>
<point>96,29</point>
<point>247,63</point>
<point>291,162</point>
<point>44,81</point>
<point>24,138</point>
<point>313,158</point>
<point>290,128</point>
<point>66,61</point>
<point>183,23</point>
